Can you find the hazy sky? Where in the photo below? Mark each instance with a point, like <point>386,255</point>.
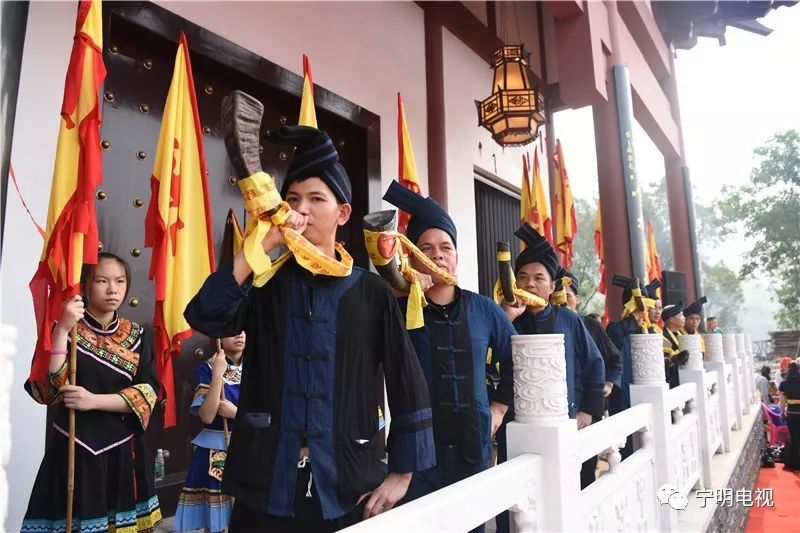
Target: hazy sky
<point>732,99</point>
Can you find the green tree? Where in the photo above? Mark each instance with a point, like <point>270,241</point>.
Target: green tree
<point>724,292</point>
<point>586,265</point>
<point>656,209</point>
<point>767,210</point>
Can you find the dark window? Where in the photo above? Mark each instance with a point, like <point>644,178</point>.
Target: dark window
<point>497,218</point>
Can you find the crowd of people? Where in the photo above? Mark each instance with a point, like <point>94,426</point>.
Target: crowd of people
<point>781,400</point>
<point>291,436</point>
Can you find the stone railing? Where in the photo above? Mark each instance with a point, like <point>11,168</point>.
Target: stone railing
<point>707,400</point>
<point>676,433</point>
<point>724,390</point>
<point>515,485</point>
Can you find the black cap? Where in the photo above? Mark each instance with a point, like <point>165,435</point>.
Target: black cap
<point>651,289</point>
<point>671,311</point>
<point>539,250</point>
<point>425,212</point>
<point>695,308</point>
<point>315,156</point>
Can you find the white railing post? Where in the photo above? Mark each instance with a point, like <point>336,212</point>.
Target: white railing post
<point>542,426</point>
<point>693,371</point>
<point>755,397</point>
<point>716,364</point>
<point>8,348</point>
<point>748,383</point>
<point>650,385</point>
<point>732,358</point>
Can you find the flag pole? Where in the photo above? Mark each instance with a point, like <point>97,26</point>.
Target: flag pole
<point>222,397</point>
<point>73,372</point>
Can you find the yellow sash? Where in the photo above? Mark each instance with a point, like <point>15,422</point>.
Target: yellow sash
<point>261,199</point>
<point>375,240</point>
<point>631,306</point>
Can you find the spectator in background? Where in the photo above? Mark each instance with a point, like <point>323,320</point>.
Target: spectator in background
<point>790,406</point>
<point>762,383</point>
<point>785,362</point>
<point>712,325</point>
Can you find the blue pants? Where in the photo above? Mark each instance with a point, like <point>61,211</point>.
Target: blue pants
<point>450,468</point>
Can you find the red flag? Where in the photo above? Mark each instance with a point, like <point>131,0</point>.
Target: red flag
<point>71,237</point>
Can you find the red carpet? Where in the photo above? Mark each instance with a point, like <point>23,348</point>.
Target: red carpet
<point>785,515</point>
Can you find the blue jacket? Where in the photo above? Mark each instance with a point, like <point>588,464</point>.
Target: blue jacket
<point>452,349</point>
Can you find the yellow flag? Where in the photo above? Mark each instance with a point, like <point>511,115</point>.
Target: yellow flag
<point>178,221</point>
<point>566,224</point>
<point>308,113</point>
<point>407,164</point>
<point>71,236</point>
<point>540,205</point>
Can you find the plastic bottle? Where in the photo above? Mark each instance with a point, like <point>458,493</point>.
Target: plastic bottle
<point>159,465</point>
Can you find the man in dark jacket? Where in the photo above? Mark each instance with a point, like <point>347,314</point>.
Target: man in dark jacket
<point>305,453</point>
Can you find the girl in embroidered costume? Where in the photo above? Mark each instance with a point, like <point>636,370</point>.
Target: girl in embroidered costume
<point>113,398</point>
<point>202,505</point>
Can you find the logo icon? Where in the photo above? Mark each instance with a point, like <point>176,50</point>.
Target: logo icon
<point>669,495</point>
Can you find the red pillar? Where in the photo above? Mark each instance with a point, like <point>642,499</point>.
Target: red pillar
<point>611,180</point>
<point>434,83</point>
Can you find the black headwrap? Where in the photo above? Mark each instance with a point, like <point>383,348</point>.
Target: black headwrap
<point>694,308</point>
<point>539,250</point>
<point>425,212</point>
<point>314,156</point>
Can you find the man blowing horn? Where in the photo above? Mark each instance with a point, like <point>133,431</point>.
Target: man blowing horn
<point>305,453</point>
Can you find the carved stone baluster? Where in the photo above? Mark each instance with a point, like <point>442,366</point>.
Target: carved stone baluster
<point>648,359</point>
<point>691,343</point>
<point>540,384</point>
<point>542,426</point>
<point>714,347</point>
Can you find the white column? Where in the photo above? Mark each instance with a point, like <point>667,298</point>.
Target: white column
<point>693,371</point>
<point>647,353</point>
<point>714,347</point>
<point>755,397</point>
<point>732,358</point>
<point>8,348</point>
<point>691,343</point>
<point>717,364</point>
<point>542,426</point>
<point>746,369</point>
<point>650,385</point>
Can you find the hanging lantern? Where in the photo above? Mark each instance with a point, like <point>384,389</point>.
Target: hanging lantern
<point>515,110</point>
